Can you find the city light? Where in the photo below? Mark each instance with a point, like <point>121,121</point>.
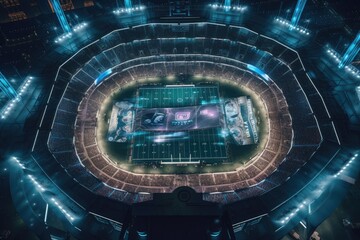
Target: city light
<point>62,37</point>
<point>37,184</point>
<point>10,105</point>
<point>293,213</point>
<point>68,35</point>
<point>287,23</point>
<point>349,68</point>
<point>18,162</point>
<point>353,71</point>
<point>227,8</point>
<point>128,10</point>
<point>63,210</point>
<point>348,164</point>
<point>79,27</point>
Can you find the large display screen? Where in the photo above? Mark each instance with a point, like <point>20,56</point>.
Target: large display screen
<point>121,122</point>
<point>241,121</point>
<point>178,119</point>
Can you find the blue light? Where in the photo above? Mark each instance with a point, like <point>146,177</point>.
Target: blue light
<point>68,35</point>
<point>67,213</point>
<point>287,23</point>
<point>6,87</point>
<point>227,4</point>
<point>128,4</point>
<point>351,52</point>
<point>142,234</point>
<point>215,234</point>
<point>259,72</point>
<point>61,16</point>
<point>102,76</point>
<point>79,27</point>
<point>130,10</point>
<point>297,13</point>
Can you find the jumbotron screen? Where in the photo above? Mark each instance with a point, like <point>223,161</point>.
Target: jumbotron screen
<point>182,124</point>
<point>178,119</point>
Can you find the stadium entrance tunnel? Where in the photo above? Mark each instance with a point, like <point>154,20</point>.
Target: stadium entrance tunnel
<point>183,208</point>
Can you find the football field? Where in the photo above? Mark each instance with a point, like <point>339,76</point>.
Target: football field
<point>178,139</point>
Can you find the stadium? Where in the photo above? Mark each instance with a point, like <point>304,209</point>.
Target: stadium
<point>179,116</point>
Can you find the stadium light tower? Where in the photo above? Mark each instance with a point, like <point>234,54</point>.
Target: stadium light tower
<point>297,13</point>
<point>227,4</point>
<point>128,4</point>
<point>61,16</point>
<point>351,52</point>
<point>6,87</point>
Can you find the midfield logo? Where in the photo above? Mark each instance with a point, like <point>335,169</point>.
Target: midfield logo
<point>182,116</point>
